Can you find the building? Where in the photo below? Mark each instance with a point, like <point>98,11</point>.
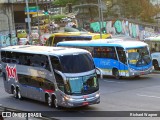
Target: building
<point>7,24</point>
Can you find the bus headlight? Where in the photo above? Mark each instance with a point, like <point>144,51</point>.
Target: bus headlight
<point>66,97</point>
<point>97,95</point>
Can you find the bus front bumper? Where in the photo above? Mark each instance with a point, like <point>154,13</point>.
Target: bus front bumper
<point>89,100</point>
<point>138,73</point>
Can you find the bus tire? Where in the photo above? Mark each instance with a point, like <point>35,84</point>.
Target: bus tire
<point>55,102</point>
<point>137,76</point>
<point>19,96</point>
<point>49,101</point>
<point>155,64</point>
<point>116,73</point>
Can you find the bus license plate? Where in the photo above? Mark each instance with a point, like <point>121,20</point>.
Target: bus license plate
<point>85,103</point>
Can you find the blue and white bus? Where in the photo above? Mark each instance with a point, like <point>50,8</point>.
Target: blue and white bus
<point>58,76</point>
<point>117,57</point>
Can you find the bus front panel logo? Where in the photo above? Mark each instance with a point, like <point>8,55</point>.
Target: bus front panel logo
<point>11,72</point>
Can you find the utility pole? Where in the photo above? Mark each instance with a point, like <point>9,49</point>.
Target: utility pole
<point>9,27</point>
<point>39,32</point>
<point>28,20</point>
<point>100,16</point>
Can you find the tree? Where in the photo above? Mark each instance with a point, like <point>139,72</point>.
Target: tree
<point>63,2</point>
<point>138,9</point>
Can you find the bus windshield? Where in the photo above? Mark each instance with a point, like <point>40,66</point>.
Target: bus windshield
<point>76,63</point>
<point>139,56</point>
<point>82,85</point>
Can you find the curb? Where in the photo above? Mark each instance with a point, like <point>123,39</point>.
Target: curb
<point>156,72</point>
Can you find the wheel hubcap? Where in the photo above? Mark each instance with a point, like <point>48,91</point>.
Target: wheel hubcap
<point>19,94</point>
<point>55,103</point>
<point>49,101</point>
<point>117,75</point>
<point>15,94</point>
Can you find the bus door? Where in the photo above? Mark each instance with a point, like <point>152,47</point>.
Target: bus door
<point>56,65</point>
<point>122,67</point>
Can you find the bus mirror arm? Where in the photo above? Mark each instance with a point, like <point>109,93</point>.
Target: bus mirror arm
<point>63,76</point>
<point>100,71</point>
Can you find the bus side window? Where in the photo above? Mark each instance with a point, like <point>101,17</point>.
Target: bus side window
<point>15,58</point>
<point>90,49</point>
<point>55,63</point>
<point>112,53</point>
<point>22,59</point>
<point>8,57</point>
<point>3,56</point>
<point>97,52</point>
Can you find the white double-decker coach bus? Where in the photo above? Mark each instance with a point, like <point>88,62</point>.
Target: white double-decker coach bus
<point>58,76</point>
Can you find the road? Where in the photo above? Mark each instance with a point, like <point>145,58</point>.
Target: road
<point>127,94</point>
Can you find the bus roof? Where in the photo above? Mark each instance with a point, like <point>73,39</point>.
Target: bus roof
<point>104,42</point>
<point>43,50</point>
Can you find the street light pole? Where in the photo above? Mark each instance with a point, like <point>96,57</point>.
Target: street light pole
<point>38,19</point>
<point>100,17</point>
<point>28,19</point>
<point>9,26</point>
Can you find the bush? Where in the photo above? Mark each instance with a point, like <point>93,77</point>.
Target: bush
<point>57,18</point>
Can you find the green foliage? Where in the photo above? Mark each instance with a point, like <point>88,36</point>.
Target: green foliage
<point>57,17</point>
<point>63,2</point>
<point>136,9</point>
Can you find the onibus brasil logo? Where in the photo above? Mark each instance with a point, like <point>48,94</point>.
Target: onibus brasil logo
<point>11,72</point>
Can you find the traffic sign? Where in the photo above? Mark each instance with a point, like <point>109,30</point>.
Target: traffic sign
<point>32,9</point>
<point>27,20</point>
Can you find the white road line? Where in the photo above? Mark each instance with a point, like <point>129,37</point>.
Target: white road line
<point>112,81</point>
<point>148,96</point>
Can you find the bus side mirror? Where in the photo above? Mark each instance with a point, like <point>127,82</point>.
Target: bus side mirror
<point>100,71</point>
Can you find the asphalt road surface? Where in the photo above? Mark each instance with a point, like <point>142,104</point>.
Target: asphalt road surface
<point>127,96</point>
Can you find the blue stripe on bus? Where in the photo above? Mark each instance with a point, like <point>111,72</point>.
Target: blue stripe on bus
<point>30,87</point>
<point>104,63</point>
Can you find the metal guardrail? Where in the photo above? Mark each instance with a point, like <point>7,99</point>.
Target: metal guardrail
<point>4,110</point>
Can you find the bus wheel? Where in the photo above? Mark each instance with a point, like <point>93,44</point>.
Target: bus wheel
<point>116,74</point>
<point>155,64</point>
<point>19,96</point>
<point>49,101</point>
<point>55,103</point>
<point>137,76</point>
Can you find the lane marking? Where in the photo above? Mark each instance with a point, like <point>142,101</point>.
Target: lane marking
<point>110,81</point>
<point>149,96</point>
